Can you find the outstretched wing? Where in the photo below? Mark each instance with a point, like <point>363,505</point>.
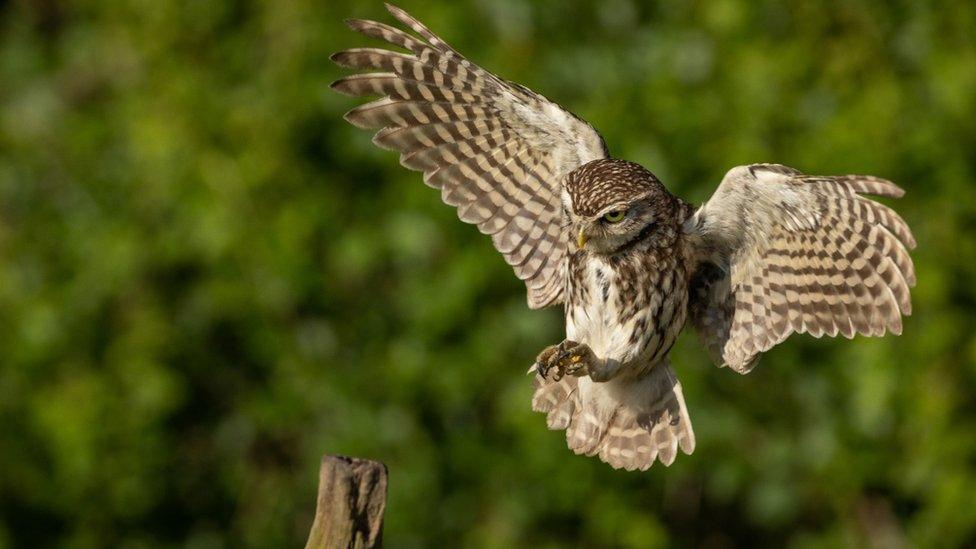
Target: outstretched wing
<point>779,252</point>
<point>496,150</point>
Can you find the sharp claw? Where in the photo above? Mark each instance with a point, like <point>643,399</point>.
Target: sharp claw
<point>565,358</point>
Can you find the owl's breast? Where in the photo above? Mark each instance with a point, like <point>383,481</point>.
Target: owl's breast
<point>629,309</point>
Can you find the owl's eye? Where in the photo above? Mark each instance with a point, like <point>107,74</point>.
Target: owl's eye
<point>615,216</point>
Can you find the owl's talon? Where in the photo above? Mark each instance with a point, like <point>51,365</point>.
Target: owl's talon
<point>566,358</point>
<point>547,360</point>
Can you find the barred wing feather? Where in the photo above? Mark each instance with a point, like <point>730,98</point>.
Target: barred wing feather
<point>779,252</point>
<point>496,150</point>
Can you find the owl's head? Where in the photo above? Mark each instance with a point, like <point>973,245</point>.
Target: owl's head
<point>610,204</point>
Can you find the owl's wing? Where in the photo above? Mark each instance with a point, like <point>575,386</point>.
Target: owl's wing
<point>496,150</point>
<point>779,252</point>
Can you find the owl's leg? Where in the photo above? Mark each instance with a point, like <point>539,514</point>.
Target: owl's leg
<point>566,358</point>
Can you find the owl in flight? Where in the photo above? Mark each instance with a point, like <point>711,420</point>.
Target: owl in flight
<point>773,252</point>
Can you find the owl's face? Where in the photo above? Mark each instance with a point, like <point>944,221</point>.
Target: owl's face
<point>611,203</point>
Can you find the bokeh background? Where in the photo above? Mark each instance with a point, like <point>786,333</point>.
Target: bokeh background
<point>208,279</point>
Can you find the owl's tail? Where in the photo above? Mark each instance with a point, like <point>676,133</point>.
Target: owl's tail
<point>628,423</point>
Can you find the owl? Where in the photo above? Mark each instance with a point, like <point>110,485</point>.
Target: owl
<point>773,252</point>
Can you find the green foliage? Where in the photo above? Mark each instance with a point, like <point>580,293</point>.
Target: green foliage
<point>208,279</point>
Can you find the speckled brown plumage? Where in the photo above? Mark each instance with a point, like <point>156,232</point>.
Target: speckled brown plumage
<point>596,184</point>
<point>773,251</point>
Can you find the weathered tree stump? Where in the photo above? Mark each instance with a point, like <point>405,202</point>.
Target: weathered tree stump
<point>350,506</point>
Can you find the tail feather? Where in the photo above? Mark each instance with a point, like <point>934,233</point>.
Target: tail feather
<point>556,399</point>
<point>627,423</point>
<point>586,430</point>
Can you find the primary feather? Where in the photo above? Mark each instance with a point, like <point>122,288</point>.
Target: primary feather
<point>779,252</point>
<point>497,151</point>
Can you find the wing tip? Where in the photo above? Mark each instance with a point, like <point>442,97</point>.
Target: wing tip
<point>353,118</point>
<point>366,27</point>
<point>884,187</point>
<point>395,10</point>
<point>340,86</point>
<point>378,140</point>
<point>339,58</point>
<point>896,191</point>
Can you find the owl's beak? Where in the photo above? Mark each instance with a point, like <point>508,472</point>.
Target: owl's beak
<point>581,238</point>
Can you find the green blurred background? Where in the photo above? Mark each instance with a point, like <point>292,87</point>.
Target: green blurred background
<point>208,279</point>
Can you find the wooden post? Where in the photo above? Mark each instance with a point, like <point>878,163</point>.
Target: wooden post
<point>350,506</point>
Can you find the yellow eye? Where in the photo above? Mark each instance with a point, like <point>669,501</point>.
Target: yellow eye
<point>615,216</point>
